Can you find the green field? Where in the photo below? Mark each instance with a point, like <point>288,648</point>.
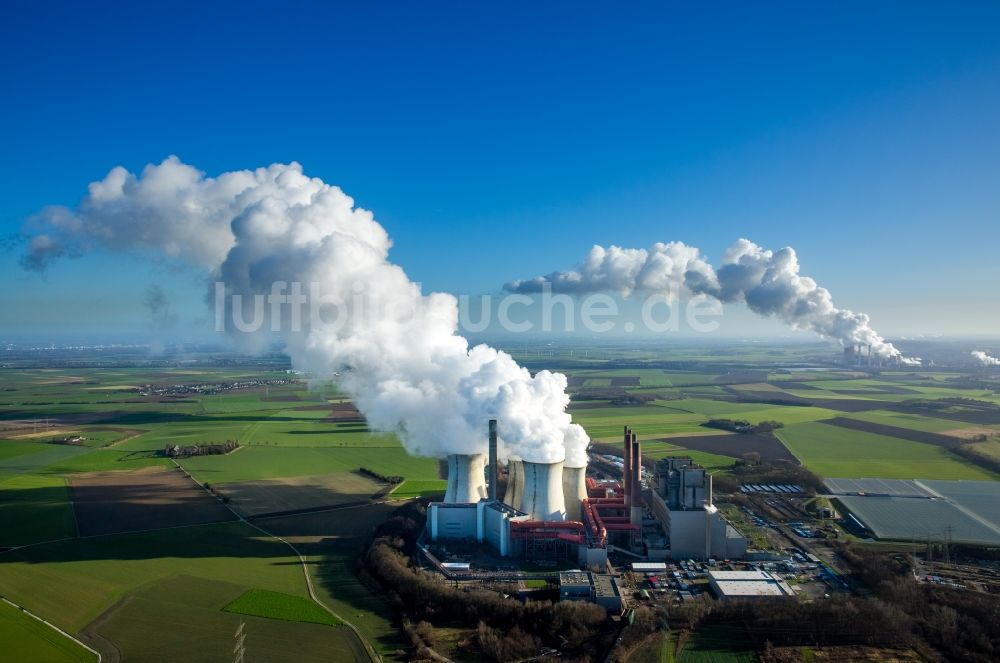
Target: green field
<point>24,639</point>
<point>718,644</point>
<point>419,488</point>
<point>35,508</point>
<point>182,618</point>
<point>832,451</point>
<point>72,582</point>
<point>275,605</point>
<point>254,463</point>
<point>332,544</point>
<point>907,420</point>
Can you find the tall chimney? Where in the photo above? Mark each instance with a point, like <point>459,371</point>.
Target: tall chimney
<point>627,468</point>
<point>635,512</point>
<point>491,471</point>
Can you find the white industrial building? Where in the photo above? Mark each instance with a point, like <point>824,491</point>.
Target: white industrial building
<point>748,585</point>
<point>681,500</point>
<point>540,514</point>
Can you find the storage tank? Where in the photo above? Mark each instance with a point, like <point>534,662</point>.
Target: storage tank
<point>466,478</point>
<point>515,486</point>
<point>574,481</point>
<point>543,491</point>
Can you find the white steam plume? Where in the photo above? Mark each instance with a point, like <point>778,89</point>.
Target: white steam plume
<point>397,349</point>
<point>768,282</point>
<point>985,359</point>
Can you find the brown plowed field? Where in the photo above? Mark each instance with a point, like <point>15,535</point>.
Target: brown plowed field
<point>114,502</point>
<point>735,445</point>
<point>344,412</point>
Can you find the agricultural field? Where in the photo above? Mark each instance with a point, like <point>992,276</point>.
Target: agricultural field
<point>114,502</point>
<point>76,513</point>
<point>26,639</point>
<point>35,508</point>
<point>275,605</point>
<point>186,618</point>
<point>834,451</point>
<point>255,498</point>
<point>718,644</point>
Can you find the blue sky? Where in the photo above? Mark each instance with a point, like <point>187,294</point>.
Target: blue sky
<point>501,140</point>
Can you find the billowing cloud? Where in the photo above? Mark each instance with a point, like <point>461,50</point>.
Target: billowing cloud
<point>767,282</point>
<point>985,359</point>
<point>396,349</point>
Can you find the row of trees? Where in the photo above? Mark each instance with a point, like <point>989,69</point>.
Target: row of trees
<point>969,452</point>
<point>203,449</point>
<point>743,426</point>
<point>961,625</point>
<point>751,469</point>
<point>384,478</point>
<point>506,627</point>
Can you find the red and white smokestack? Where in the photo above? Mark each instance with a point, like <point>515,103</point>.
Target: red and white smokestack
<point>627,468</point>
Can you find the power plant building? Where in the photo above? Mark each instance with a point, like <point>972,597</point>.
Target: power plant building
<point>550,512</point>
<point>681,500</point>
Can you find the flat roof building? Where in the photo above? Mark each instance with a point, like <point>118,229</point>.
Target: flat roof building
<point>574,586</point>
<point>748,584</point>
<point>599,588</point>
<point>607,592</point>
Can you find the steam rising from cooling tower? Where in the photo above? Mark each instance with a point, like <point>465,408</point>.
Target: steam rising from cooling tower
<point>985,359</point>
<point>397,349</point>
<point>768,282</point>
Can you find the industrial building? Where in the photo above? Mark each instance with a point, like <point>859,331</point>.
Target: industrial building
<point>681,499</point>
<point>548,511</point>
<point>551,512</point>
<point>747,585</point>
<point>599,588</point>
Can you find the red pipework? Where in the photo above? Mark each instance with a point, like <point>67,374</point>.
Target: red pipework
<point>547,524</point>
<point>596,526</point>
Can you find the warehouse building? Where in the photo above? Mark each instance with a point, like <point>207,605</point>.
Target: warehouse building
<point>748,585</point>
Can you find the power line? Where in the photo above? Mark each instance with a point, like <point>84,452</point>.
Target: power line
<point>240,649</point>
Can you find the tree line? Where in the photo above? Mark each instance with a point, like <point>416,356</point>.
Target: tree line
<point>506,628</point>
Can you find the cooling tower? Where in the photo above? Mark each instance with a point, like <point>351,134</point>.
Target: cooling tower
<point>515,486</point>
<point>543,491</point>
<point>466,478</point>
<point>574,487</point>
